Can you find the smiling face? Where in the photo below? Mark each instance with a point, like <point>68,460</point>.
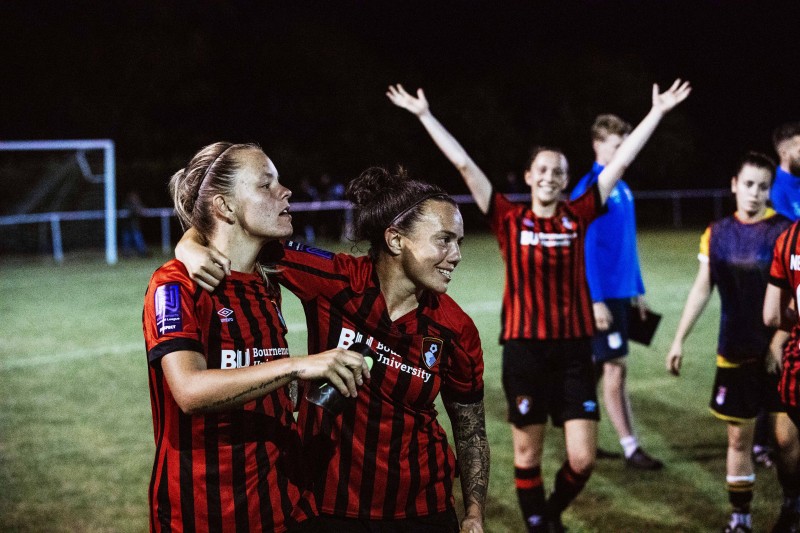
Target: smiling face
<point>751,187</point>
<point>260,203</point>
<point>547,177</point>
<point>432,249</point>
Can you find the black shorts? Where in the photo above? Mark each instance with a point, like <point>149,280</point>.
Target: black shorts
<point>444,522</point>
<point>613,343</point>
<point>549,377</point>
<point>742,390</point>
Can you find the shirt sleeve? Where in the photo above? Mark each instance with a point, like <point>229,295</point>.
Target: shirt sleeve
<point>705,240</point>
<point>778,274</point>
<point>173,318</point>
<point>588,206</point>
<point>309,272</point>
<point>463,382</point>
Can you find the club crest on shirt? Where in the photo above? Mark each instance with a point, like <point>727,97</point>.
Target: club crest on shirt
<point>567,223</point>
<point>720,398</point>
<point>523,404</point>
<point>168,309</point>
<point>431,350</point>
<point>528,223</point>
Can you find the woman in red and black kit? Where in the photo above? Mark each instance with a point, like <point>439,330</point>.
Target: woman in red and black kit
<point>384,464</point>
<point>780,311</point>
<point>226,440</point>
<point>547,316</point>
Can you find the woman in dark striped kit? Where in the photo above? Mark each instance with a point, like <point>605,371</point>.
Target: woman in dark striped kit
<point>226,441</point>
<point>547,316</point>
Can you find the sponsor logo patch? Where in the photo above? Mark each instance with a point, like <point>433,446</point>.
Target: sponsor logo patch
<point>225,314</point>
<point>431,350</point>
<point>523,404</point>
<point>168,309</point>
<point>300,247</point>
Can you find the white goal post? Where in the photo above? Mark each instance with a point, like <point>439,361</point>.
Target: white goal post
<point>109,178</point>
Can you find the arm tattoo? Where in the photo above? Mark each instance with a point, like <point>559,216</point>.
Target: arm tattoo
<point>235,400</point>
<point>472,447</point>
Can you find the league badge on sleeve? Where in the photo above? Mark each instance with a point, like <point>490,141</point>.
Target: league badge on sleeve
<point>168,309</point>
<point>431,350</point>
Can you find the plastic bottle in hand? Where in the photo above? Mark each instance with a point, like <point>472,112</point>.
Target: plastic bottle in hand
<point>327,396</point>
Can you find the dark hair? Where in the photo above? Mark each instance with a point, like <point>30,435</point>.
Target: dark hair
<point>759,160</point>
<point>211,171</point>
<point>383,199</point>
<point>785,132</point>
<point>605,125</point>
<point>536,150</point>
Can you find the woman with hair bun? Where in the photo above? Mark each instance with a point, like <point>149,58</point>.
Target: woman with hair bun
<point>219,367</point>
<point>384,463</point>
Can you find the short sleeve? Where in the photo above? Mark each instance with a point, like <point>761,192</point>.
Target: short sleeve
<point>705,243</point>
<point>463,382</point>
<point>309,272</point>
<point>778,275</point>
<point>588,206</point>
<point>172,319</point>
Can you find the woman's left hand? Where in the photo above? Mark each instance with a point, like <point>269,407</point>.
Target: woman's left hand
<point>471,525</point>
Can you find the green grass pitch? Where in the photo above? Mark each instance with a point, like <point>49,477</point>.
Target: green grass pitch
<point>76,444</point>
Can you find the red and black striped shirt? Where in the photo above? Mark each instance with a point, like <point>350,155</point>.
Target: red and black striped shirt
<point>546,295</point>
<point>385,456</point>
<point>785,273</point>
<point>232,471</point>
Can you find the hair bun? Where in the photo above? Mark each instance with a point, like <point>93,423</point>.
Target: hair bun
<point>374,183</point>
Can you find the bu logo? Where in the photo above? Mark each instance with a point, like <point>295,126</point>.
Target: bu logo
<point>431,350</point>
<point>794,262</point>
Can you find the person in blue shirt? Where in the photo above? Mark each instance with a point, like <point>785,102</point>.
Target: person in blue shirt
<point>615,281</point>
<point>785,194</point>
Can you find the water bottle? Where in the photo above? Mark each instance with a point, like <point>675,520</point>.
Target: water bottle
<point>327,396</point>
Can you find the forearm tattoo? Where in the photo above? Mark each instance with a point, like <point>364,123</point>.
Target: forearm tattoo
<point>236,399</point>
<point>472,447</point>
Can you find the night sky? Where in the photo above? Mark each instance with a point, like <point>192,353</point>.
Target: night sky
<point>306,80</point>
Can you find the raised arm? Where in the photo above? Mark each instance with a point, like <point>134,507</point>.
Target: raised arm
<point>663,103</point>
<point>472,449</point>
<point>695,303</point>
<point>477,182</point>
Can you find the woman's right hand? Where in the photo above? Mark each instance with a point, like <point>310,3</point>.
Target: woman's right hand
<point>344,369</point>
<point>206,266</point>
<point>399,97</point>
<point>674,360</point>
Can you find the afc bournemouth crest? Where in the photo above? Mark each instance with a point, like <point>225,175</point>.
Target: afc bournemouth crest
<point>431,350</point>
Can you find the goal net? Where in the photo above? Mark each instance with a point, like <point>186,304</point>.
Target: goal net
<point>59,195</point>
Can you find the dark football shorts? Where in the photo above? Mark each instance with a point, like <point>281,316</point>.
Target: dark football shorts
<point>613,343</point>
<point>549,377</point>
<point>741,390</point>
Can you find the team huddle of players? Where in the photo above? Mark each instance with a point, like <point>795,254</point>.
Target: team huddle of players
<point>230,455</point>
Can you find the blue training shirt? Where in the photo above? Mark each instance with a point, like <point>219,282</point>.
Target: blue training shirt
<point>785,194</point>
<point>612,258</point>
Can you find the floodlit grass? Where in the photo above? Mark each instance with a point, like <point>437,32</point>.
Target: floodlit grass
<point>76,444</point>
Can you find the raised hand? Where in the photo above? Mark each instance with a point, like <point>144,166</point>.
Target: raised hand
<point>673,96</point>
<point>399,97</point>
